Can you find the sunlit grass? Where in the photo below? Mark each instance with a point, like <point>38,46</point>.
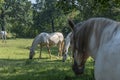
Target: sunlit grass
<point>14,64</point>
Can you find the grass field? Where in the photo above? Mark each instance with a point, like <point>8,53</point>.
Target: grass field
<point>14,64</point>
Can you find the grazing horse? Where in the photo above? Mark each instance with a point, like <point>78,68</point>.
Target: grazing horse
<point>3,35</point>
<point>47,39</point>
<point>100,39</point>
<point>66,46</point>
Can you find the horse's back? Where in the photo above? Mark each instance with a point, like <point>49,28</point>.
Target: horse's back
<point>3,32</point>
<point>60,35</point>
<point>49,38</point>
<point>107,63</point>
<point>42,38</point>
<point>56,37</point>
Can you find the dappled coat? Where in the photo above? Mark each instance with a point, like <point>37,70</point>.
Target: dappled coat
<point>47,39</point>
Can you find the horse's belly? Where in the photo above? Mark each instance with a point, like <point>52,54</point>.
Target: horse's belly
<point>107,64</point>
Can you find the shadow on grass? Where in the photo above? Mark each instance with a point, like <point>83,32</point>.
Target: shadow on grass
<point>53,74</point>
<point>43,69</point>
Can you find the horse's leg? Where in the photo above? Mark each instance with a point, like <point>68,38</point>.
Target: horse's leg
<point>5,38</point>
<point>48,48</point>
<point>2,38</point>
<point>60,49</point>
<point>40,51</point>
<point>62,46</point>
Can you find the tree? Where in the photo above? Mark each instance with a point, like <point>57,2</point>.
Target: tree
<point>18,14</point>
<point>91,8</point>
<point>46,15</point>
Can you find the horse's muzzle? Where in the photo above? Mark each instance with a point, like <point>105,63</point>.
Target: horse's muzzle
<point>30,57</point>
<point>78,70</point>
<point>64,57</point>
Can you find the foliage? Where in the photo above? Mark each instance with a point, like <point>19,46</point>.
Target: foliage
<point>27,20</point>
<point>17,16</point>
<point>47,16</point>
<point>93,8</point>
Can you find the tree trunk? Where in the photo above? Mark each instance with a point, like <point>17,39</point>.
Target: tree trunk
<point>3,20</point>
<point>52,24</point>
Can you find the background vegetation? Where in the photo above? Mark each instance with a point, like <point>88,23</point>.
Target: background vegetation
<point>22,18</point>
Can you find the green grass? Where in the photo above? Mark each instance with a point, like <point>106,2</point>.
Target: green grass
<point>14,64</point>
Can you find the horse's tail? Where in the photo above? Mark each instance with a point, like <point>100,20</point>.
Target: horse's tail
<point>71,23</point>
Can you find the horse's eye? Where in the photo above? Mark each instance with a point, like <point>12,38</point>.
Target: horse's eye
<point>71,41</point>
<point>65,50</point>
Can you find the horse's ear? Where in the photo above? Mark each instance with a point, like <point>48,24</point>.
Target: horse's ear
<point>71,23</point>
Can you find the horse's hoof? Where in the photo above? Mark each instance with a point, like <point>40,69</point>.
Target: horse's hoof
<point>63,60</point>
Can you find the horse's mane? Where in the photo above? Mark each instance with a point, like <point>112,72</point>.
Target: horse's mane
<point>67,39</point>
<point>93,25</point>
<point>39,39</point>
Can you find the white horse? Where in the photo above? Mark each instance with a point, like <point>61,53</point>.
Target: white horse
<point>100,39</point>
<point>47,39</point>
<point>3,35</point>
<point>66,46</point>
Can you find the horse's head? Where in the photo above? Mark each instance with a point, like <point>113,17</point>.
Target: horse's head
<point>31,53</point>
<point>79,57</point>
<point>78,49</point>
<point>79,62</point>
<point>64,51</point>
<point>64,54</point>
<point>66,46</point>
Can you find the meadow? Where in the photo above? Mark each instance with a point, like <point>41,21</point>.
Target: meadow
<point>15,65</point>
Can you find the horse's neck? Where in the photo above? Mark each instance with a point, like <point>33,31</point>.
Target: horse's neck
<point>34,44</point>
<point>67,40</point>
<point>67,43</point>
<point>96,42</point>
<point>92,46</point>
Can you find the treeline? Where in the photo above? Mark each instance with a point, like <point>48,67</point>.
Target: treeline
<point>21,18</point>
